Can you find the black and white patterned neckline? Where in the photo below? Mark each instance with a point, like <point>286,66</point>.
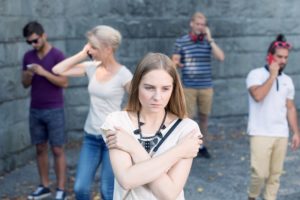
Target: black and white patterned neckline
<point>149,142</point>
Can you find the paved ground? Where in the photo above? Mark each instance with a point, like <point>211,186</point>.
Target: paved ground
<point>224,177</point>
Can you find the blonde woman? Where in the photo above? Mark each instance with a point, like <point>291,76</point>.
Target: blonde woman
<point>108,81</point>
<point>152,143</point>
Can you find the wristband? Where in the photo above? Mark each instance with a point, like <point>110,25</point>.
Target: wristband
<point>211,41</point>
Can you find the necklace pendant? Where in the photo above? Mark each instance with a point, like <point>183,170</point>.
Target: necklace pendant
<point>147,146</point>
<point>141,123</point>
<point>159,134</point>
<point>137,131</point>
<point>149,142</point>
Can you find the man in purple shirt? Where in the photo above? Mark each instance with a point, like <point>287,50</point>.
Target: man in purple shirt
<point>46,108</point>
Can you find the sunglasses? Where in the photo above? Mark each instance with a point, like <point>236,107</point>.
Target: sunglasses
<point>282,44</point>
<point>34,41</point>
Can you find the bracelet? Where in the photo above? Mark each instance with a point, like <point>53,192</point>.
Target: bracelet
<point>211,41</point>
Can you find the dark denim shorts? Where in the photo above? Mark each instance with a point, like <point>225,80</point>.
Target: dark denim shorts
<point>47,125</point>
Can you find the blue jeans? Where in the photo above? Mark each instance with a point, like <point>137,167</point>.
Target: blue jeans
<point>93,152</point>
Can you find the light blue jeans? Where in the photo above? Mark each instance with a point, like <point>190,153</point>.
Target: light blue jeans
<point>93,152</point>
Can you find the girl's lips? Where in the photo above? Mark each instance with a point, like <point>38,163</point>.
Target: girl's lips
<point>156,105</point>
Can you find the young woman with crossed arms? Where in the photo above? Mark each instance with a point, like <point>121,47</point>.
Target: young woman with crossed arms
<point>146,163</point>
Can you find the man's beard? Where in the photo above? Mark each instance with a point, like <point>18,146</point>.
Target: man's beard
<point>40,48</point>
<point>281,68</point>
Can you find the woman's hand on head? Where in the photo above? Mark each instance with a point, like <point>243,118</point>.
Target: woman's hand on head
<point>190,144</point>
<point>120,139</point>
<point>86,49</point>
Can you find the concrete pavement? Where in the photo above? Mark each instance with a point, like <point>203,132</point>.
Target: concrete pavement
<point>224,177</point>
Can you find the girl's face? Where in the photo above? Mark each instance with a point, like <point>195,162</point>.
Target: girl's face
<point>155,90</point>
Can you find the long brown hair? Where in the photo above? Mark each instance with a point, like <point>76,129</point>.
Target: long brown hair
<point>154,61</point>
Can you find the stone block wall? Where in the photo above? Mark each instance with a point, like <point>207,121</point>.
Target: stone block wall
<point>243,29</point>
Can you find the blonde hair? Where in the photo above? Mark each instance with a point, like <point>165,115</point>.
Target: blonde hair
<point>155,61</point>
<point>197,15</point>
<point>104,35</point>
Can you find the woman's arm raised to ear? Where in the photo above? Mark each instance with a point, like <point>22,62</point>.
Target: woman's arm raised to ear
<point>73,66</point>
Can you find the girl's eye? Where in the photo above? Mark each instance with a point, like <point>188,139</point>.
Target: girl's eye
<point>166,89</point>
<point>148,88</point>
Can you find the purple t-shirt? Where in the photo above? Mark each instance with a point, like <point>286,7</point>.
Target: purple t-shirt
<point>44,94</point>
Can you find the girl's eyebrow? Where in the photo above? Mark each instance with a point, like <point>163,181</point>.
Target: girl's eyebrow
<point>147,84</point>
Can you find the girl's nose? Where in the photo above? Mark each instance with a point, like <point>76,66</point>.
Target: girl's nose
<point>157,95</point>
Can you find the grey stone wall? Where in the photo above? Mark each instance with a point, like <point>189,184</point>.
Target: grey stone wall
<point>243,29</point>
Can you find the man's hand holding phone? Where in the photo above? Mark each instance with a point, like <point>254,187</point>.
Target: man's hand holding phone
<point>36,68</point>
<point>273,67</point>
<point>29,66</point>
<point>28,74</point>
<point>208,34</point>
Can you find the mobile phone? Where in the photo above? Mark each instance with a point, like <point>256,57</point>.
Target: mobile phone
<point>89,55</point>
<point>270,58</point>
<point>29,66</point>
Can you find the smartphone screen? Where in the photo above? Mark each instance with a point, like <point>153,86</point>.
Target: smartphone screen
<point>29,66</point>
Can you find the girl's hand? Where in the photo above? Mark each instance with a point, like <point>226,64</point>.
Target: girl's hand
<point>120,139</point>
<point>190,144</point>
